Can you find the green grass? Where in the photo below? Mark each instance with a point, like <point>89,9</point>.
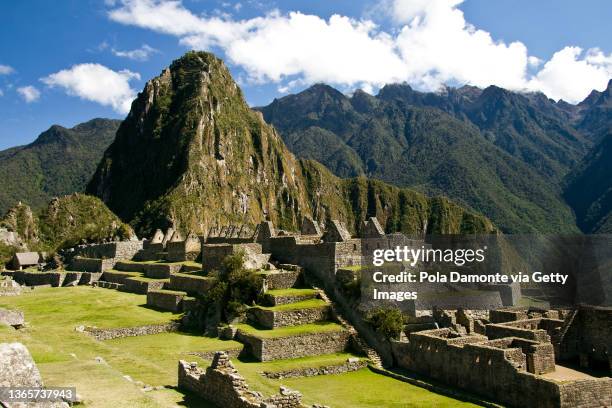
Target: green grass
<point>322,327</point>
<point>291,292</point>
<point>304,304</point>
<point>364,388</point>
<point>67,358</point>
<point>85,305</point>
<point>303,362</point>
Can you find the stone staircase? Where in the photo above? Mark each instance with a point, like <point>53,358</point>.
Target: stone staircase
<point>358,342</point>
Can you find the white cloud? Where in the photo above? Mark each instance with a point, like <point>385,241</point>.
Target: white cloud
<point>5,69</point>
<point>432,45</point>
<point>29,93</point>
<point>1,92</point>
<point>571,73</point>
<point>139,54</point>
<point>96,83</point>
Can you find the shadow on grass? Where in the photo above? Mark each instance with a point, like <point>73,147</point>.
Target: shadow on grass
<point>193,401</point>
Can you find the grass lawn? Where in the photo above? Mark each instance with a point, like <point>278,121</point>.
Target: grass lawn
<point>68,358</point>
<point>321,327</point>
<point>304,304</point>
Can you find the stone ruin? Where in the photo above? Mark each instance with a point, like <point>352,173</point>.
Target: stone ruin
<point>221,384</point>
<point>310,227</point>
<point>513,357</point>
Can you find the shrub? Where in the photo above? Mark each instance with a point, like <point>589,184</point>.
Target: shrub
<point>387,321</point>
<point>235,286</point>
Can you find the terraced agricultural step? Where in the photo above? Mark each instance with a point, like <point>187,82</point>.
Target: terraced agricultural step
<point>283,279</point>
<point>114,276</point>
<point>166,299</point>
<point>325,364</point>
<point>142,285</point>
<point>292,342</point>
<point>278,297</point>
<point>190,283</point>
<point>291,314</point>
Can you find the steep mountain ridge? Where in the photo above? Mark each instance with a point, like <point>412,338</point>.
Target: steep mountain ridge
<point>60,161</point>
<point>192,154</point>
<point>463,143</point>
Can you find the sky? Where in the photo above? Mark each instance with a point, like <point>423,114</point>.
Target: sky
<point>68,61</point>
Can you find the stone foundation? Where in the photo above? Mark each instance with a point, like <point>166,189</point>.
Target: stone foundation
<point>107,334</point>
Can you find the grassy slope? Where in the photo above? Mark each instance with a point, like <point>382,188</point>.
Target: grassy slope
<point>66,357</point>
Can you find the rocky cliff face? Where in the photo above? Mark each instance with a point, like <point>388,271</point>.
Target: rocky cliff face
<point>192,154</point>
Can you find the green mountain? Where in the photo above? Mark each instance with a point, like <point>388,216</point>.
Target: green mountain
<point>192,154</point>
<point>589,189</point>
<point>60,161</point>
<point>500,153</point>
<point>65,221</point>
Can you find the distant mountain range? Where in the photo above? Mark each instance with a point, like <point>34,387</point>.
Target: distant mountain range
<point>60,161</point>
<point>508,155</point>
<point>192,154</point>
<point>528,163</point>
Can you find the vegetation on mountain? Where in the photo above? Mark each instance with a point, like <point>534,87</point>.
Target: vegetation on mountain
<point>493,150</point>
<point>193,155</point>
<point>65,222</point>
<point>60,161</point>
<point>589,189</point>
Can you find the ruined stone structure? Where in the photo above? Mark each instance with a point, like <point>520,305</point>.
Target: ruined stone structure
<point>183,250</point>
<point>225,387</point>
<point>510,364</point>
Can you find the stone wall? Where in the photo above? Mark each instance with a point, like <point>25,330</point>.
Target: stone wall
<point>107,334</point>
<point>309,344</point>
<point>166,300</point>
<point>589,338</point>
<point>82,264</point>
<point>142,287</point>
<point>214,254</point>
<point>270,319</point>
<point>283,279</point>
<point>110,250</point>
<point>222,385</point>
<point>192,284</point>
<point>497,369</point>
<point>538,329</point>
<point>39,278</point>
<point>160,270</point>
<point>353,364</point>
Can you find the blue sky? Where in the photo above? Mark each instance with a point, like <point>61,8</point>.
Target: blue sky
<point>64,62</point>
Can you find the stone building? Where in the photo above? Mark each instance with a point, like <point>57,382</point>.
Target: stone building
<point>23,260</point>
